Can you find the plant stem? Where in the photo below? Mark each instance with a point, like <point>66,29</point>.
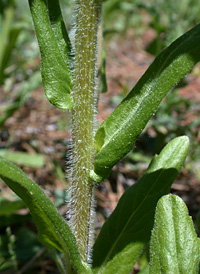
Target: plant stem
<point>84,87</point>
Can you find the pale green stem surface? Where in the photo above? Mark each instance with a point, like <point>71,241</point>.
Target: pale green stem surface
<point>84,88</point>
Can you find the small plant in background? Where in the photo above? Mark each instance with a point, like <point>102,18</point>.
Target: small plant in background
<point>9,34</point>
<point>19,79</point>
<point>164,18</point>
<point>15,34</point>
<point>145,213</point>
<point>167,24</point>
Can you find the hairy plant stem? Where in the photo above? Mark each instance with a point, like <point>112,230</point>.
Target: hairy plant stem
<point>84,111</point>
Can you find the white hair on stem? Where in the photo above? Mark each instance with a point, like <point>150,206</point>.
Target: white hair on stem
<point>87,14</point>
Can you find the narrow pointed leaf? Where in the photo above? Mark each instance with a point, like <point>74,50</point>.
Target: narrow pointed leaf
<point>126,123</point>
<point>54,47</point>
<point>174,246</point>
<point>126,232</point>
<point>52,228</point>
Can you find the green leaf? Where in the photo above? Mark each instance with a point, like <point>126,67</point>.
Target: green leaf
<point>126,232</point>
<point>99,139</point>
<point>126,123</point>
<point>174,246</point>
<point>59,30</point>
<point>54,47</point>
<point>52,228</point>
<point>10,45</point>
<point>23,158</point>
<point>8,207</point>
<point>5,37</point>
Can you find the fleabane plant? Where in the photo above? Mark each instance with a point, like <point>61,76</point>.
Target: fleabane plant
<point>70,79</point>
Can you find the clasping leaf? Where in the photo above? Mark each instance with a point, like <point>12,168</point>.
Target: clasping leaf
<point>55,52</point>
<point>127,121</point>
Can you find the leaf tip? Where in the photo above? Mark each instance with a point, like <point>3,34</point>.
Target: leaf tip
<point>95,177</point>
<point>99,138</point>
<point>65,103</point>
